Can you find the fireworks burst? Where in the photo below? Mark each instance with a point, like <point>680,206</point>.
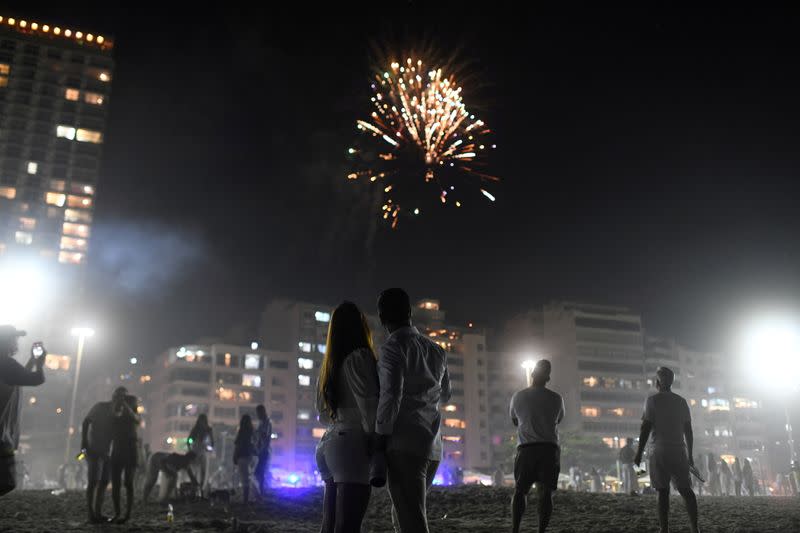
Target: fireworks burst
<point>420,138</point>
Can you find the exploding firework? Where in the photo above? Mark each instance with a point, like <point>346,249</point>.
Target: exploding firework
<point>420,141</point>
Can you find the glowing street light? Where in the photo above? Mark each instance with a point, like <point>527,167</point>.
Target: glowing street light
<point>134,360</point>
<point>82,333</point>
<point>528,365</point>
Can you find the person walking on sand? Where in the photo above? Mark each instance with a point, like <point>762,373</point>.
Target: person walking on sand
<point>630,481</point>
<point>13,376</point>
<point>536,411</point>
<point>667,418</point>
<point>714,487</point>
<point>244,449</point>
<point>726,477</point>
<point>748,478</point>
<point>347,400</point>
<point>412,372</point>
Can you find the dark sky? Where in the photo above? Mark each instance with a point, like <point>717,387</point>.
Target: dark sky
<point>649,159</point>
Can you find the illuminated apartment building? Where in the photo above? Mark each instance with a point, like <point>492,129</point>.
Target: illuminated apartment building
<point>55,84</point>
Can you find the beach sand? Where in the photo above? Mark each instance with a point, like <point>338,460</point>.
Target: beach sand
<point>471,509</point>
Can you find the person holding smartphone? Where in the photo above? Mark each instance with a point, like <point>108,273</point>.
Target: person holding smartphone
<point>13,376</point>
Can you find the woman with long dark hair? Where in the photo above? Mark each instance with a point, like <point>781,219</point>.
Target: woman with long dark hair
<point>244,449</point>
<point>347,399</point>
<point>201,441</point>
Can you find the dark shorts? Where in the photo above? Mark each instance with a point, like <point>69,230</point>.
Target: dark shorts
<point>537,463</point>
<point>670,464</point>
<point>98,468</point>
<point>124,454</point>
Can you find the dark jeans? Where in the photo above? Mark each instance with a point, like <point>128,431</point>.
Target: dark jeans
<point>409,478</point>
<point>262,471</point>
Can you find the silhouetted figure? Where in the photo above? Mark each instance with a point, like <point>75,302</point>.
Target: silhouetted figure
<point>630,481</point>
<point>714,485</point>
<point>414,382</point>
<point>264,448</point>
<point>498,479</point>
<point>737,477</point>
<point>536,411</point>
<point>124,453</point>
<point>667,418</point>
<point>244,449</point>
<point>748,478</point>
<point>13,376</point>
<point>347,400</point>
<point>201,441</point>
<point>96,435</point>
<point>597,481</point>
<point>169,465</point>
<point>726,477</point>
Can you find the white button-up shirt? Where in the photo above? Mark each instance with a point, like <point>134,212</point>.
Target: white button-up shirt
<point>412,370</point>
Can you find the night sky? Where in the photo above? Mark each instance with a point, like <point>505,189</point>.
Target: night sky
<point>649,159</point>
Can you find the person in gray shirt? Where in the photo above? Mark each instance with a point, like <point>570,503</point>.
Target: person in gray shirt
<point>667,418</point>
<point>412,371</point>
<point>536,411</point>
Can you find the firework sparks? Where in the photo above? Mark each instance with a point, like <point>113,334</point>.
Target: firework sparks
<point>421,135</point>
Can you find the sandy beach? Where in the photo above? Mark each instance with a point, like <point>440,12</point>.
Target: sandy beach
<point>473,509</point>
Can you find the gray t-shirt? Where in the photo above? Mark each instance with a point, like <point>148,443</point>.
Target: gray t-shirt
<point>668,414</point>
<point>537,411</point>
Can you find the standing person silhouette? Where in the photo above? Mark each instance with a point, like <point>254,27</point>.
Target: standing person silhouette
<point>630,482</point>
<point>536,411</point>
<point>712,468</point>
<point>124,453</point>
<point>748,478</point>
<point>737,477</point>
<point>726,477</point>
<point>201,441</point>
<point>667,418</point>
<point>244,449</point>
<point>12,376</point>
<point>264,448</point>
<point>347,400</point>
<point>412,371</point>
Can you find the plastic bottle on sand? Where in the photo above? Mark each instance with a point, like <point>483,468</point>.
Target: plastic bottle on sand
<point>170,514</point>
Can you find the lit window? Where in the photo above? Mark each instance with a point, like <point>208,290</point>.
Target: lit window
<point>104,76</point>
<point>23,237</point>
<point>5,68</point>
<point>303,380</point>
<point>66,132</point>
<point>252,361</point>
<point>27,223</point>
<point>75,215</point>
<point>71,243</point>
<point>451,438</point>
<point>8,192</point>
<point>88,136</point>
<point>611,442</point>
<point>251,380</point>
<point>73,258</point>
<point>72,94</point>
<point>621,411</point>
<point>455,423</point>
<point>33,167</point>
<point>718,404</point>
<point>590,381</point>
<point>591,412</point>
<point>93,98</point>
<point>3,81</point>
<point>704,402</point>
<point>321,348</point>
<point>77,230</point>
<point>303,414</point>
<point>56,199</point>
<point>305,347</point>
<point>78,201</point>
<point>712,390</point>
<point>322,316</point>
<point>58,185</point>
<point>226,394</point>
<point>450,408</point>
<point>56,362</point>
<point>430,305</point>
<point>245,396</point>
<point>744,403</point>
<point>305,364</point>
<point>692,402</point>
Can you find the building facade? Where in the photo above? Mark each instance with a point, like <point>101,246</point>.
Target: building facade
<point>55,85</point>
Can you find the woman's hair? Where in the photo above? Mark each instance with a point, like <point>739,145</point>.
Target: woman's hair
<point>200,428</point>
<point>246,424</point>
<point>348,331</point>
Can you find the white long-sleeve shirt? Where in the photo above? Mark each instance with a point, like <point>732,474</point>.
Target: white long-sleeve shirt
<point>412,370</point>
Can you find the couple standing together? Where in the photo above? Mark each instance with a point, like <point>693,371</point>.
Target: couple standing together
<point>382,413</point>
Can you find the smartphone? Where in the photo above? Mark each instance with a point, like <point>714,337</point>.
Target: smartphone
<point>37,349</point>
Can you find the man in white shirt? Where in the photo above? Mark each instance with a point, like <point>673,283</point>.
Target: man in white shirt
<point>536,411</point>
<point>412,370</point>
<point>667,418</point>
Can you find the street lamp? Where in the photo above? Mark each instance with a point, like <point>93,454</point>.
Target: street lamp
<point>82,333</point>
<point>772,352</point>
<point>528,365</point>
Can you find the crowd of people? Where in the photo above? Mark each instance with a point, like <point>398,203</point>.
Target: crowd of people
<point>382,411</point>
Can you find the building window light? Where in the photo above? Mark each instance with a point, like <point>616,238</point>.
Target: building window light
<point>455,423</point>
<point>305,364</point>
<point>33,167</point>
<point>72,94</point>
<point>88,136</point>
<point>71,243</point>
<point>23,237</point>
<point>8,193</point>
<point>322,316</point>
<point>321,348</point>
<point>104,76</point>
<point>65,132</point>
<point>318,433</point>
<point>77,230</point>
<point>79,201</point>
<point>450,408</point>
<point>5,69</point>
<point>27,223</point>
<point>76,215</point>
<point>72,258</point>
<point>251,380</point>
<point>590,412</point>
<point>93,98</point>
<point>304,380</point>
<point>303,414</point>
<point>56,199</point>
<point>252,361</point>
<point>305,347</point>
